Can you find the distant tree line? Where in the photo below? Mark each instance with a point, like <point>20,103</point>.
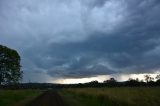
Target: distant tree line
<point>107,83</point>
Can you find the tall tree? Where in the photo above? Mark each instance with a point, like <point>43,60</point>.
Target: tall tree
<point>10,72</point>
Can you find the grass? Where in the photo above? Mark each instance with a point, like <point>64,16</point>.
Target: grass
<point>17,97</point>
<point>112,96</point>
<point>122,96</point>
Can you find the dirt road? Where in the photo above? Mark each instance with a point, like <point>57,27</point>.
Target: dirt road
<point>49,98</point>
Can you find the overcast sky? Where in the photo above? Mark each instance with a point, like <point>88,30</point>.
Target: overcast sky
<point>82,38</point>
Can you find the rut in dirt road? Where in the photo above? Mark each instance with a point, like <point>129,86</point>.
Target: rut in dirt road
<point>49,98</point>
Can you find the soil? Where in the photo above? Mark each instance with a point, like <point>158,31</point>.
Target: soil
<point>48,98</point>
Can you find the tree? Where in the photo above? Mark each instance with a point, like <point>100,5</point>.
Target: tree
<point>148,78</point>
<point>111,80</point>
<point>158,77</point>
<point>137,79</point>
<point>10,72</point>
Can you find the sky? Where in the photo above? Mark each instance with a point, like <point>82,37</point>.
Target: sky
<point>69,41</point>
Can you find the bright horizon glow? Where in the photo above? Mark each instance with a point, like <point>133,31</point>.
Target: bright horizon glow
<point>101,78</point>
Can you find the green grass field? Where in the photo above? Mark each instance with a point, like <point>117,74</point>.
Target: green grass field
<point>123,96</point>
<point>112,96</point>
<point>17,97</point>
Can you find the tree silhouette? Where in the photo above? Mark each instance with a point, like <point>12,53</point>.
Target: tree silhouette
<point>111,80</point>
<point>158,77</point>
<point>9,66</point>
<point>148,78</point>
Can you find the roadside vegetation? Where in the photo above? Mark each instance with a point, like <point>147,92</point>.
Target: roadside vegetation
<point>17,97</point>
<point>122,96</point>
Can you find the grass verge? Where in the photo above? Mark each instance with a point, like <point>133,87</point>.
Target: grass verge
<point>17,97</point>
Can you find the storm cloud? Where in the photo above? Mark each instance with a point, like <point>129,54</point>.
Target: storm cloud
<point>82,38</point>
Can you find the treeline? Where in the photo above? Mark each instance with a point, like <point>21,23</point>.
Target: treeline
<point>149,82</point>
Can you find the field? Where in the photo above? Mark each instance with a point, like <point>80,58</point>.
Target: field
<point>112,96</point>
<point>17,97</point>
<point>123,96</point>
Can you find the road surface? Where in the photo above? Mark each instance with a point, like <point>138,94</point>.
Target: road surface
<point>48,98</point>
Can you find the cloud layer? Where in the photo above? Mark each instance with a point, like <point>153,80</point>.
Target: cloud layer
<point>82,38</point>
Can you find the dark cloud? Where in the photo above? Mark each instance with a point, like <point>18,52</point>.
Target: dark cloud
<point>76,38</point>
